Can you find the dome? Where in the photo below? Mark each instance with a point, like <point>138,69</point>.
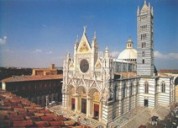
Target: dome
<point>129,53</point>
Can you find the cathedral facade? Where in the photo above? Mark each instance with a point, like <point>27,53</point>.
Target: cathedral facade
<point>100,88</point>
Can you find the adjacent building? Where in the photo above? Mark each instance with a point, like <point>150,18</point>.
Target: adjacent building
<point>42,87</point>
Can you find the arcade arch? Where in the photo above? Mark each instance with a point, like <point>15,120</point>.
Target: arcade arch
<point>71,99</point>
<point>86,102</point>
<point>81,97</point>
<point>94,103</point>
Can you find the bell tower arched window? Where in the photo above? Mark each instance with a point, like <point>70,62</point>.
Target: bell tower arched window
<point>124,90</point>
<point>146,87</point>
<point>163,87</point>
<point>131,89</point>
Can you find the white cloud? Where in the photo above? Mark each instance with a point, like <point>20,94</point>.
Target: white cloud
<point>160,55</point>
<point>37,51</point>
<point>49,52</point>
<point>3,40</point>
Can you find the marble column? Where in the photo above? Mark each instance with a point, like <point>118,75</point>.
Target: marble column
<point>88,106</point>
<point>76,102</point>
<point>65,100</point>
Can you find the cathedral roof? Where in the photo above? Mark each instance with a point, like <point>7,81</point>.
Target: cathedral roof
<point>129,52</point>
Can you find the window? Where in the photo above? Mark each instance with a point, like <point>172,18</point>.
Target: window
<point>143,36</point>
<point>143,61</point>
<point>163,90</point>
<point>124,91</point>
<point>146,87</point>
<point>143,17</point>
<point>143,53</point>
<point>131,89</point>
<point>143,44</point>
<point>143,27</point>
<point>129,45</point>
<point>137,88</point>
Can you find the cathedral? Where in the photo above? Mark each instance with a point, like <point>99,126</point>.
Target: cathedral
<point>103,88</point>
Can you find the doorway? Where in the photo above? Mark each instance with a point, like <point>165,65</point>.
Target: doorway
<point>73,103</point>
<point>96,111</point>
<point>84,105</point>
<point>146,102</point>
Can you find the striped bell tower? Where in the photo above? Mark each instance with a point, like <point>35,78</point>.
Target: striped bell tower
<point>145,55</point>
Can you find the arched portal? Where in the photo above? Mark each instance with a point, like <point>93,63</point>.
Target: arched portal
<point>71,100</point>
<point>82,99</point>
<point>95,104</point>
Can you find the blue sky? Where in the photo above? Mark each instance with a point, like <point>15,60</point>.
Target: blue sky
<point>37,33</point>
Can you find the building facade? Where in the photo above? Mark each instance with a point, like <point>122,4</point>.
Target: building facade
<point>42,87</point>
<point>99,87</point>
<point>86,80</point>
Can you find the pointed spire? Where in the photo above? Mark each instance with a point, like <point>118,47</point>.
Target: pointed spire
<point>77,40</point>
<point>144,2</point>
<point>138,10</point>
<point>94,40</point>
<point>152,10</point>
<point>106,52</point>
<point>84,29</point>
<point>68,57</point>
<point>76,43</point>
<point>94,35</point>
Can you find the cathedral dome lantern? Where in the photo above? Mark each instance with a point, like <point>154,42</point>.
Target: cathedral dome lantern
<point>129,43</point>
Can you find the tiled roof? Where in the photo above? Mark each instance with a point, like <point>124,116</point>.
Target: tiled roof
<point>19,112</point>
<point>127,74</point>
<point>168,71</point>
<point>32,78</point>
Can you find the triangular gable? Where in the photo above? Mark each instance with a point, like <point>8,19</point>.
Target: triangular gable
<point>84,45</point>
<point>80,82</point>
<point>98,64</point>
<point>94,85</point>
